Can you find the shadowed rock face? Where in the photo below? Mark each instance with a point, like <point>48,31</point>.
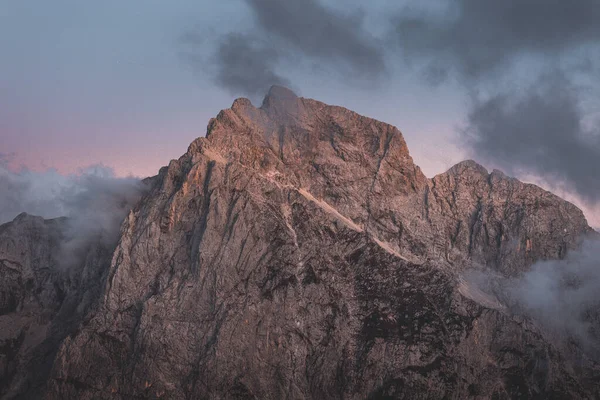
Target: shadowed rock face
<point>298,252</point>
<point>41,300</point>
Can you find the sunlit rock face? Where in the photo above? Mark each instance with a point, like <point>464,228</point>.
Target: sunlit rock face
<point>297,251</point>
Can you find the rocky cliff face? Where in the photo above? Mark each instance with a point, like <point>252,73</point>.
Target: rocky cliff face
<point>28,296</point>
<point>44,295</point>
<point>298,252</point>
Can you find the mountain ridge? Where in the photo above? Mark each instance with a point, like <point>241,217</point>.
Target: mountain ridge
<point>297,251</point>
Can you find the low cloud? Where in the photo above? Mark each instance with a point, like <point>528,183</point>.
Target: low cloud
<point>94,201</point>
<point>564,294</point>
<point>36,193</point>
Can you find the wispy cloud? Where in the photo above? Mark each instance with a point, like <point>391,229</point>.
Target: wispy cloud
<point>94,201</point>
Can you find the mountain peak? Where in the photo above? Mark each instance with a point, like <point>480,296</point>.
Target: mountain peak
<point>278,94</point>
<point>468,166</point>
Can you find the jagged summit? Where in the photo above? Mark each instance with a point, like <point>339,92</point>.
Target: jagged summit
<point>25,216</point>
<point>362,168</point>
<point>278,94</point>
<point>275,95</point>
<point>467,165</point>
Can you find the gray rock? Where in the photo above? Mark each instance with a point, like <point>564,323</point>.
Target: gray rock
<point>41,300</point>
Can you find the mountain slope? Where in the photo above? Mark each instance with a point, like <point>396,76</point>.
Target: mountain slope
<point>44,294</point>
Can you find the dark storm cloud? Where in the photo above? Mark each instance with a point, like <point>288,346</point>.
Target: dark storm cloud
<point>293,32</point>
<point>245,65</point>
<point>534,129</point>
<point>477,37</point>
<point>320,32</point>
<point>539,131</point>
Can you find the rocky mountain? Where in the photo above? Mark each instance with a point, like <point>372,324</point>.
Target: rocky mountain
<point>296,251</point>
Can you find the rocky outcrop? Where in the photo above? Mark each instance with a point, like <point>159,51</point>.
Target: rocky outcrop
<point>44,295</point>
<point>298,252</point>
<point>500,222</point>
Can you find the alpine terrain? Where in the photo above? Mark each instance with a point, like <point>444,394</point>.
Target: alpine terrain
<point>295,252</point>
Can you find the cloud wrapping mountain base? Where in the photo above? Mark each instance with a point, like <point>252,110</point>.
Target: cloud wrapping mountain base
<point>94,201</point>
<point>561,295</point>
<point>564,294</point>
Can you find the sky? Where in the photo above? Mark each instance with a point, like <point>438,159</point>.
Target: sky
<point>129,85</point>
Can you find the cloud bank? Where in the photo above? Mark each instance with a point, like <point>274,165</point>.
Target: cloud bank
<point>565,294</point>
<point>529,69</point>
<point>540,131</point>
<point>290,32</point>
<point>479,38</point>
<point>94,201</point>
